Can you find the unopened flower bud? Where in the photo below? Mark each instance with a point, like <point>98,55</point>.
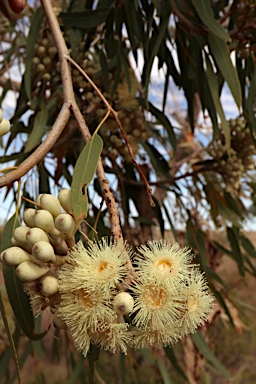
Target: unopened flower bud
<point>14,256</point>
<point>38,198</point>
<point>28,271</point>
<point>123,303</point>
<point>4,127</point>
<point>48,285</point>
<point>64,199</point>
<point>65,224</point>
<point>28,217</point>
<point>19,234</point>
<point>51,204</point>
<point>44,220</point>
<point>43,252</point>
<point>36,234</point>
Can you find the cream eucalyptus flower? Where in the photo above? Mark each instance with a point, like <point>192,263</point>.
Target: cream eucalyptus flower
<point>198,303</point>
<point>164,262</point>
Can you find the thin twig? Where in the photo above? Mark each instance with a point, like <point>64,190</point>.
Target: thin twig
<point>115,114</point>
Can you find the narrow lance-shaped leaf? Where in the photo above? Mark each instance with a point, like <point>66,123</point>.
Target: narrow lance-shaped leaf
<point>19,300</point>
<point>205,12</point>
<point>83,174</point>
<point>213,86</point>
<point>208,354</point>
<point>30,48</point>
<point>233,235</point>
<point>221,55</point>
<point>37,131</point>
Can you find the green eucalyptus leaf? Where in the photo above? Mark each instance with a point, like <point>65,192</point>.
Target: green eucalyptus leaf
<point>233,236</point>
<point>248,246</point>
<point>208,354</point>
<point>10,338</point>
<point>213,86</point>
<point>19,300</point>
<point>221,55</point>
<point>38,130</point>
<point>83,174</point>
<point>85,20</point>
<point>163,119</point>
<point>30,48</point>
<point>205,12</point>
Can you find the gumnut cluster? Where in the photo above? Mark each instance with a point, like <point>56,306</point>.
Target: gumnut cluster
<point>233,163</point>
<point>100,291</point>
<point>4,125</point>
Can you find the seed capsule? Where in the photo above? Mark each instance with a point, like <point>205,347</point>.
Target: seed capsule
<point>28,271</point>
<point>48,285</point>
<point>28,217</point>
<point>14,256</point>
<point>65,224</point>
<point>123,303</point>
<point>36,234</point>
<point>43,252</point>
<point>4,127</point>
<point>64,199</point>
<point>50,203</point>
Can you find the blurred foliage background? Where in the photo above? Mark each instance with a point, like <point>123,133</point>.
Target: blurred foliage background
<point>200,164</point>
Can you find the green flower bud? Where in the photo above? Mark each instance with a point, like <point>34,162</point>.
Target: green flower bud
<point>36,234</point>
<point>48,285</point>
<point>43,252</point>
<point>64,199</point>
<point>4,127</point>
<point>28,217</point>
<point>65,224</point>
<point>28,271</point>
<point>51,204</point>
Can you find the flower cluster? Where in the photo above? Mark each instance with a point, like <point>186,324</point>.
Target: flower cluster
<point>95,291</point>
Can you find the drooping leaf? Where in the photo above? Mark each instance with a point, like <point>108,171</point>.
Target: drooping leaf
<point>19,300</point>
<point>233,236</point>
<point>163,119</point>
<point>86,19</point>
<point>205,12</point>
<point>38,130</point>
<point>213,86</point>
<point>30,48</point>
<point>208,354</point>
<point>248,246</point>
<point>10,338</point>
<point>83,174</point>
<point>221,55</point>
<point>160,164</point>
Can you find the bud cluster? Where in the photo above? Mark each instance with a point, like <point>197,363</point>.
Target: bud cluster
<point>123,101</point>
<point>39,246</point>
<point>233,164</point>
<point>96,292</point>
